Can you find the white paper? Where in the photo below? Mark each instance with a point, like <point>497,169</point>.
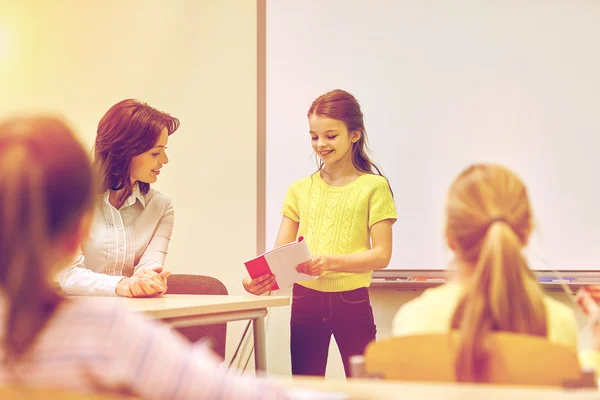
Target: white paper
<point>284,260</point>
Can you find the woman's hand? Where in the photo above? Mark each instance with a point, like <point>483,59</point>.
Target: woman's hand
<point>136,286</point>
<point>260,285</point>
<point>316,266</point>
<point>158,275</point>
<point>145,282</point>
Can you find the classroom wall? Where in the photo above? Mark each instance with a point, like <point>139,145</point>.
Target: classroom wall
<point>193,59</point>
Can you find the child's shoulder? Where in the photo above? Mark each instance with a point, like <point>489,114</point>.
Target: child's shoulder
<point>102,313</point>
<point>301,183</point>
<point>101,308</point>
<point>558,309</point>
<point>84,316</point>
<point>374,179</point>
<point>374,182</point>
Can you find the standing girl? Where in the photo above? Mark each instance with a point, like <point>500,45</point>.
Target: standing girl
<point>345,211</point>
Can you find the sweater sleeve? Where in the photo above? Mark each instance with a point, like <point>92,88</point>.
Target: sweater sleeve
<point>381,204</point>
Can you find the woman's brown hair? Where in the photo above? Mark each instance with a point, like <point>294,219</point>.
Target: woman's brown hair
<point>46,188</point>
<point>129,128</point>
<point>489,221</point>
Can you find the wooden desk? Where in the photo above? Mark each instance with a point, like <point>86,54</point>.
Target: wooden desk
<point>366,389</point>
<point>15,392</point>
<point>194,310</point>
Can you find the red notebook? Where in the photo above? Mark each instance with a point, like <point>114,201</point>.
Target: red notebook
<point>282,263</point>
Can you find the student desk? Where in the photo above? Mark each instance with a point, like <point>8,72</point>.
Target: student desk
<point>367,389</point>
<point>16,392</point>
<point>194,310</point>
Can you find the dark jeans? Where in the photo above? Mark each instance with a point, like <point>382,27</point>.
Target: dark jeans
<point>316,315</point>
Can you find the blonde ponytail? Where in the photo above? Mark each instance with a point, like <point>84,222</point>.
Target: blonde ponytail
<point>502,293</point>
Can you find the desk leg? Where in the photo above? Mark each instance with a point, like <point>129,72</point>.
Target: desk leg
<point>260,351</point>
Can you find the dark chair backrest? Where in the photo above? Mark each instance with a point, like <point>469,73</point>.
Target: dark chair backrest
<point>200,284</point>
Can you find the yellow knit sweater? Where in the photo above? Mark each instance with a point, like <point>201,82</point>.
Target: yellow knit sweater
<point>336,220</point>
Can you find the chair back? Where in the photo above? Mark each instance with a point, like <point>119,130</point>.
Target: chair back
<point>200,284</point>
<point>513,359</point>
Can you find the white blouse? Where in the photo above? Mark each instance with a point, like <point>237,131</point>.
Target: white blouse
<point>135,236</point>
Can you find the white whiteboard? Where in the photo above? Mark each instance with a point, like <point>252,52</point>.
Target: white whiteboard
<point>442,84</point>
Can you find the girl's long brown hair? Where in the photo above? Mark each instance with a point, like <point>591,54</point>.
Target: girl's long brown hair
<point>341,105</point>
<point>489,221</point>
<point>46,187</point>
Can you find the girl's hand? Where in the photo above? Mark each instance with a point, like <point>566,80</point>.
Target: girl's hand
<point>316,266</point>
<point>586,302</point>
<point>260,285</point>
<point>594,291</point>
<point>589,306</point>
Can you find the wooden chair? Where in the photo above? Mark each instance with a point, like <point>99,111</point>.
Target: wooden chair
<point>200,284</point>
<point>513,359</point>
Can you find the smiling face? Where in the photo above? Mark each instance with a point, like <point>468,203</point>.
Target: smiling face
<point>146,167</point>
<point>330,139</point>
